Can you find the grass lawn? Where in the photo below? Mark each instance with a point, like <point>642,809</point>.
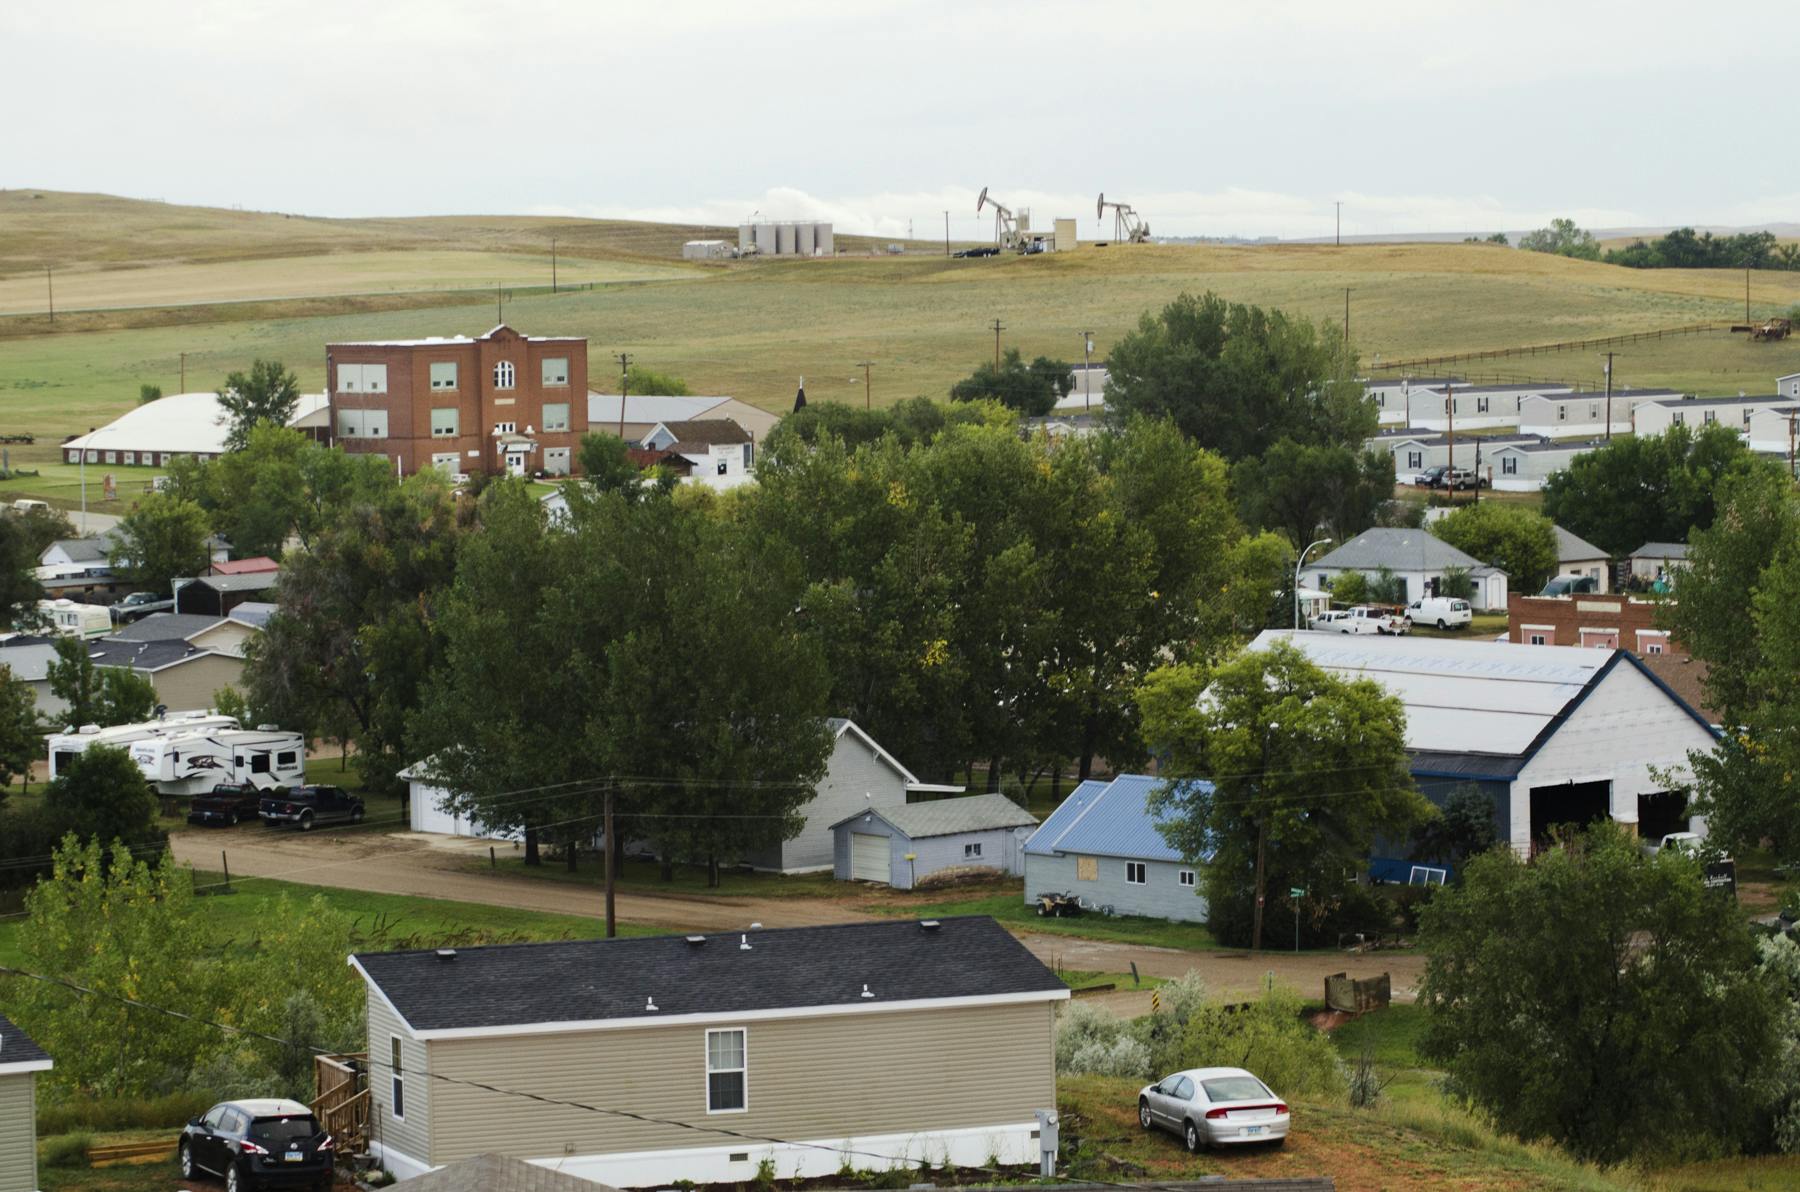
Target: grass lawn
<point>645,876</point>
<point>1481,627</point>
<point>1086,979</point>
<point>1005,901</point>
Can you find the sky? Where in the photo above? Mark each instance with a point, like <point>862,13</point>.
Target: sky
<point>1247,118</point>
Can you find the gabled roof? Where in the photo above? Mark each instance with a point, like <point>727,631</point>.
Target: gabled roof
<point>1107,819</point>
<point>705,431</point>
<point>840,725</point>
<point>1572,548</point>
<point>947,817</point>
<point>246,566</point>
<point>146,655</point>
<point>1660,550</point>
<point>18,1053</point>
<point>85,550</point>
<point>1397,550</point>
<point>793,972</point>
<point>163,627</point>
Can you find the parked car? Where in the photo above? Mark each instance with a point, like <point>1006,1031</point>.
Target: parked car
<point>1445,612</point>
<point>258,1144</point>
<point>139,605</point>
<point>1684,842</point>
<point>225,804</point>
<point>1431,477</point>
<point>1214,1107</point>
<point>1332,621</point>
<point>26,505</point>
<point>1570,585</point>
<point>1460,478</point>
<point>305,807</point>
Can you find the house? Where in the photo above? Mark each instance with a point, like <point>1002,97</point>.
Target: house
<point>719,452</point>
<point>1102,845</point>
<point>897,1042</point>
<point>1416,556</point>
<point>1525,467</point>
<point>1788,386</point>
<point>1089,394</point>
<point>1413,452</point>
<point>79,552</point>
<point>185,676</point>
<point>1552,734</point>
<point>181,424</point>
<point>1577,556</point>
<point>1615,622</point>
<point>1472,407</point>
<point>1770,429</point>
<point>216,595</point>
<point>1585,415</point>
<point>1655,417</point>
<point>251,566</point>
<point>897,846</point>
<point>501,401</point>
<point>20,1062</point>
<point>28,657</point>
<point>1656,562</point>
<point>641,413</point>
<point>226,635</point>
<point>1390,397</point>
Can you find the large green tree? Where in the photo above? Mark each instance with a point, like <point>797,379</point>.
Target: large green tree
<point>102,695</point>
<point>21,735</point>
<point>1554,988</point>
<point>101,795</point>
<point>607,467</point>
<point>1518,540</point>
<point>1564,238</point>
<point>1649,488</point>
<point>1302,490</point>
<point>1238,379</point>
<point>19,588</point>
<point>1281,775</point>
<point>266,395</point>
<point>1030,390</point>
<point>161,540</point>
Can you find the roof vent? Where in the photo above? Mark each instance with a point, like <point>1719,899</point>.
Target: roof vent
<point>268,728</point>
<point>446,955</point>
<point>929,924</point>
<point>756,927</point>
<point>743,943</point>
<point>650,1006</point>
<point>696,940</point>
<point>866,992</point>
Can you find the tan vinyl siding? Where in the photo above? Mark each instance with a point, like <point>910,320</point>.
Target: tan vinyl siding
<point>412,1136</point>
<point>18,1142</point>
<point>808,1078</point>
<point>187,686</point>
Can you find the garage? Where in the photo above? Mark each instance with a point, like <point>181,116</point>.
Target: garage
<point>868,858</point>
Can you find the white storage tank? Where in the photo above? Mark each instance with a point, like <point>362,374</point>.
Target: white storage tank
<point>746,237</point>
<point>784,239</point>
<point>765,238</point>
<point>822,240</point>
<point>803,239</point>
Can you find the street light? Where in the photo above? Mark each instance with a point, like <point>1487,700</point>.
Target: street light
<point>1299,563</point>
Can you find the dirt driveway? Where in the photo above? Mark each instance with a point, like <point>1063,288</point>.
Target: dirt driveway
<point>431,866</point>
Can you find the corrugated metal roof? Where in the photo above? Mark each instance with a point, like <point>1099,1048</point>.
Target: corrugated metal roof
<point>651,408</point>
<point>947,817</point>
<point>1107,820</point>
<point>180,422</point>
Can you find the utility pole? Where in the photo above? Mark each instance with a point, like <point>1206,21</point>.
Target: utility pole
<point>998,328</point>
<point>624,387</point>
<point>1087,372</point>
<point>1609,359</point>
<point>866,365</point>
<point>1340,222</point>
<point>1746,296</point>
<point>611,853</point>
<point>946,233</point>
<point>498,316</point>
<point>553,264</point>
<point>50,289</point>
<point>1346,322</point>
<point>184,372</point>
<point>1450,436</point>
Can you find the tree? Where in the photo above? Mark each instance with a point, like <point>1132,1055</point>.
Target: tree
<point>1032,390</point>
<point>21,735</point>
<point>266,394</point>
<point>19,588</point>
<point>1589,959</point>
<point>1654,488</point>
<point>162,539</point>
<point>1563,238</point>
<point>100,795</point>
<point>149,393</point>
<point>1518,540</point>
<point>1303,490</point>
<point>607,467</point>
<point>1456,583</point>
<point>1350,587</point>
<point>1238,379</point>
<point>75,680</point>
<point>645,382</point>
<point>1462,828</point>
<point>41,527</point>
<point>1246,749</point>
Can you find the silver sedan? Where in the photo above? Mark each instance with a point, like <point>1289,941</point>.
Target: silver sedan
<point>1214,1107</point>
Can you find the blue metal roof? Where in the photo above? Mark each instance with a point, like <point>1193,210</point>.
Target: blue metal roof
<point>1108,820</point>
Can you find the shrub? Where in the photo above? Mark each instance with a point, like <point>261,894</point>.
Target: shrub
<point>1124,1056</point>
<point>1270,1039</point>
<point>65,1150</point>
<point>1083,1027</point>
<point>170,1111</point>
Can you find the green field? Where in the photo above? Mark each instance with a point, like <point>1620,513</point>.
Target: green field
<point>753,328</point>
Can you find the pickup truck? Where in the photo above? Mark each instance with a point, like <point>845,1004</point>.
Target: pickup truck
<point>1363,619</point>
<point>139,605</point>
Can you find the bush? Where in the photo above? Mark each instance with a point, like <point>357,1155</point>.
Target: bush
<point>1124,1056</point>
<point>77,1113</point>
<point>1083,1028</point>
<point>1270,1039</point>
<point>65,1150</point>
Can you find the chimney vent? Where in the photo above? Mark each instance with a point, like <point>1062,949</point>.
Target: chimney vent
<point>446,955</point>
<point>696,940</point>
<point>866,992</point>
<point>929,924</point>
<point>743,943</point>
<point>650,1006</point>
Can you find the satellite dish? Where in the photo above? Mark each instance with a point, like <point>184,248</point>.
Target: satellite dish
<point>982,201</point>
<point>1100,206</point>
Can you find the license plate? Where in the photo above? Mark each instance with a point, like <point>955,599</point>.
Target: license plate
<point>294,1157</point>
<point>1253,1130</point>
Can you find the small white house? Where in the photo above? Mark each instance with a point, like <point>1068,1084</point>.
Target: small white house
<point>721,452</point>
<point>1472,407</point>
<point>1771,429</point>
<point>898,846</point>
<point>1418,557</point>
<point>1579,415</point>
<point>1576,556</point>
<point>1524,467</point>
<point>1655,417</point>
<point>1788,386</point>
<point>1658,560</point>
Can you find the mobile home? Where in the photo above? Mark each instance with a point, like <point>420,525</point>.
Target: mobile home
<point>66,746</point>
<point>192,762</point>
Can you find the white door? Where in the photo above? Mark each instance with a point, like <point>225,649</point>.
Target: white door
<point>869,858</point>
<point>515,462</point>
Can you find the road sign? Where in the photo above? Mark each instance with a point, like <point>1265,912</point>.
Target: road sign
<point>1296,892</point>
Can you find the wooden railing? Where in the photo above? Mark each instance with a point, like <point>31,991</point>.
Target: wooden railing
<point>342,1103</point>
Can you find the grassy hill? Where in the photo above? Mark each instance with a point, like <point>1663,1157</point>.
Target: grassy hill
<point>753,328</point>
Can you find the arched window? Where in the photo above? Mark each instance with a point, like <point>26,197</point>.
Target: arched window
<point>503,375</point>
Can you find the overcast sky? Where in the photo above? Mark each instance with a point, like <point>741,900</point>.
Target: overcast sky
<point>1249,117</point>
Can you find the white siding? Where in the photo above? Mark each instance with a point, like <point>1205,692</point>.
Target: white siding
<point>855,779</point>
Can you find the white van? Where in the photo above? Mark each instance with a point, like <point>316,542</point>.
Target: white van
<point>1443,611</point>
<point>25,505</point>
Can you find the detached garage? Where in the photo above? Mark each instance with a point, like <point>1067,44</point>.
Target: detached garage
<point>898,846</point>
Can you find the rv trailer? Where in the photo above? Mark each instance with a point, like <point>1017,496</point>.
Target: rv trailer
<point>194,762</point>
<point>66,746</point>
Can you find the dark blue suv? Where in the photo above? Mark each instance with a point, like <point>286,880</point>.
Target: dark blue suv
<point>259,1144</point>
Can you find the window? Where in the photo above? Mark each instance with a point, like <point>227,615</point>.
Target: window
<point>1481,405</point>
<point>1711,417</point>
<point>443,374</point>
<point>1562,412</point>
<point>130,457</point>
<point>1509,465</point>
<point>446,422</point>
<point>726,1084</point>
<point>723,465</point>
<point>1538,639</point>
<point>971,850</point>
<point>1415,459</point>
<point>556,370</point>
<point>259,763</point>
<point>556,415</point>
<point>362,424</point>
<point>286,758</point>
<point>93,457</point>
<point>1593,410</point>
<point>1655,647</point>
<point>1186,878</point>
<point>215,1117</point>
<point>445,462</point>
<point>362,378</point>
<point>1381,401</point>
<point>397,1079</point>
<point>1134,873</point>
<point>1678,418</point>
<point>503,375</point>
<point>506,428</point>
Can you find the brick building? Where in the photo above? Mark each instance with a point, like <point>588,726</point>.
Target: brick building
<point>498,401</point>
<point>1612,622</point>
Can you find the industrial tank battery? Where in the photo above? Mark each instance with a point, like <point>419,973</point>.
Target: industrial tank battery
<point>784,239</point>
<point>746,237</point>
<point>765,238</point>
<point>822,240</point>
<point>803,239</point>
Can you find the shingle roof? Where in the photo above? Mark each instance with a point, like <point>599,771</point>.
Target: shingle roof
<point>255,581</point>
<point>1108,819</point>
<point>16,1046</point>
<point>160,627</point>
<point>28,657</point>
<point>85,550</point>
<point>498,1173</point>
<point>1661,550</point>
<point>721,431</point>
<point>144,656</point>
<point>795,968</point>
<point>1397,550</point>
<point>946,817</point>
<point>1572,548</point>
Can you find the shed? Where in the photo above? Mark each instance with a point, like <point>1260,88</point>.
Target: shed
<point>1577,556</point>
<point>897,846</point>
<point>20,1062</point>
<point>216,595</point>
<point>707,250</point>
<point>1657,561</point>
<point>1102,845</point>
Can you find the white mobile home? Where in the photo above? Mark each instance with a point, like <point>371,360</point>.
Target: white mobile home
<point>1655,417</point>
<point>1771,429</point>
<point>1524,467</point>
<point>1390,398</point>
<point>1414,453</point>
<point>65,746</point>
<point>68,618</point>
<point>194,762</point>
<point>1473,407</point>
<point>1576,415</point>
<point>1788,386</point>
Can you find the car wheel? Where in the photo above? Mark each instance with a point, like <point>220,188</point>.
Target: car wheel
<point>187,1161</point>
<point>1144,1112</point>
<point>1190,1134</point>
<point>1441,624</point>
<point>306,821</point>
<point>356,815</point>
<point>233,1183</point>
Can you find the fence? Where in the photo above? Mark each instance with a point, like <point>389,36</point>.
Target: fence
<point>1423,363</point>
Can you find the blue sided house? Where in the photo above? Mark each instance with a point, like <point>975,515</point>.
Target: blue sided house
<point>1102,846</point>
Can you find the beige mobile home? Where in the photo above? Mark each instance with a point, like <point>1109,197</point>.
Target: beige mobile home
<point>20,1062</point>
<point>877,1044</point>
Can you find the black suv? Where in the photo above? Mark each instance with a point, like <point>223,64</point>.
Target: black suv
<point>258,1144</point>
<point>307,806</point>
<point>226,803</point>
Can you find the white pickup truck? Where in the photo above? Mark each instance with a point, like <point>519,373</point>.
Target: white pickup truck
<point>1364,618</point>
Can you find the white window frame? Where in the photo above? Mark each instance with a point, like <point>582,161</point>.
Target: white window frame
<point>1415,459</point>
<point>1678,418</point>
<point>1593,410</point>
<point>506,428</point>
<point>554,372</point>
<point>971,850</point>
<point>1562,412</point>
<point>1140,869</point>
<point>454,422</point>
<point>396,1078</point>
<point>561,425</point>
<point>505,375</point>
<point>1186,878</point>
<point>1509,465</point>
<point>1536,639</point>
<point>1481,405</point>
<point>440,386</point>
<point>744,1034</point>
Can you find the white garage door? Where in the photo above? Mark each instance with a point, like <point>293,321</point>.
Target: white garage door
<point>869,857</point>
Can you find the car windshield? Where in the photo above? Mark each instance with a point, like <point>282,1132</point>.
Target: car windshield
<point>1234,1088</point>
<point>283,1130</point>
